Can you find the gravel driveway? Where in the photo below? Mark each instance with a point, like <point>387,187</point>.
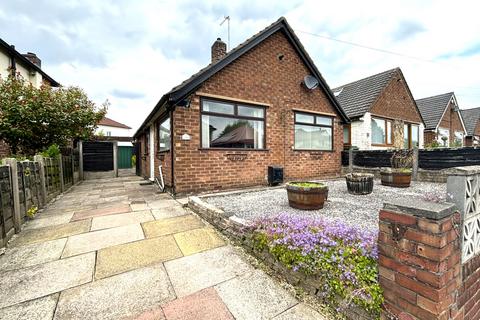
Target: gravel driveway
<point>356,210</point>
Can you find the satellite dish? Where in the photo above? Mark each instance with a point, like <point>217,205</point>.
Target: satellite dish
<point>310,82</point>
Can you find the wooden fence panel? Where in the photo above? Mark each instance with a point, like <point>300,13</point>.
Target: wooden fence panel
<point>437,159</point>
<point>52,177</point>
<point>6,205</point>
<point>67,170</point>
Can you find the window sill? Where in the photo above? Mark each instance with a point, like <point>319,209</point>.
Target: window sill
<point>233,149</point>
<point>313,150</point>
<point>163,151</point>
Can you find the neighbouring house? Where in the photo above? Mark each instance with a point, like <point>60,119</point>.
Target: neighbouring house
<point>443,121</point>
<point>28,66</point>
<point>262,104</point>
<point>382,111</point>
<point>110,128</point>
<point>471,119</point>
<point>114,131</point>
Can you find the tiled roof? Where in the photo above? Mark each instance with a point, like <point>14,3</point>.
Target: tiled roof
<point>470,118</point>
<point>432,109</point>
<point>112,123</point>
<point>188,86</point>
<point>357,97</point>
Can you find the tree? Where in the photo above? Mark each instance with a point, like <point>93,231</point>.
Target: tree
<point>31,119</point>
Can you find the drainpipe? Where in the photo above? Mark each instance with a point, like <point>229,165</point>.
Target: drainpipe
<point>172,151</point>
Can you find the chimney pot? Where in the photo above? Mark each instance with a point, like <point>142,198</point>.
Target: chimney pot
<point>219,50</point>
<point>33,58</point>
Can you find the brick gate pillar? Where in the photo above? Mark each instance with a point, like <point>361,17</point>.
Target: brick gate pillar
<point>419,260</point>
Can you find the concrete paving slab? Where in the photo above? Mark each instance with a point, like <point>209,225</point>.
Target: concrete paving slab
<point>51,233</point>
<point>198,240</point>
<point>139,206</point>
<point>153,314</point>
<point>300,312</point>
<point>202,305</point>
<point>121,296</point>
<point>41,222</point>
<point>44,279</point>
<point>202,270</point>
<point>97,240</point>
<point>169,212</point>
<point>134,255</point>
<point>254,296</point>
<point>81,215</point>
<point>172,225</point>
<point>38,309</point>
<point>163,203</point>
<point>121,219</point>
<point>32,254</point>
<point>182,201</point>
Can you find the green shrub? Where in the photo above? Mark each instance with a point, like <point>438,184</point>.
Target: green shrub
<point>51,152</point>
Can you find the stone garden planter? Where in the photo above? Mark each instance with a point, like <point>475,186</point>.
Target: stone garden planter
<point>397,178</point>
<point>307,195</point>
<point>359,183</point>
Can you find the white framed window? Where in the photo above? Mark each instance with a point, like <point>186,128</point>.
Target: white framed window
<point>164,135</point>
<point>458,138</point>
<point>313,132</point>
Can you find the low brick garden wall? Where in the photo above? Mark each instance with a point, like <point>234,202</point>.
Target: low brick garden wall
<point>238,230</point>
<point>428,253</point>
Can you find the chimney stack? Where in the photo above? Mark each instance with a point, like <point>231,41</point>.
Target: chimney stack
<point>219,50</point>
<point>33,58</point>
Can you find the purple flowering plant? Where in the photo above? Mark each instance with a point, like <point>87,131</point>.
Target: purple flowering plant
<point>342,257</point>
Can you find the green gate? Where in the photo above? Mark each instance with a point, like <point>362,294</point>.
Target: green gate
<point>125,157</point>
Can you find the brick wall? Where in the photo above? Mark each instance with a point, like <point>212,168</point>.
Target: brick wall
<point>429,137</point>
<point>451,120</point>
<point>469,140</point>
<point>257,76</point>
<point>395,102</point>
<point>420,265</point>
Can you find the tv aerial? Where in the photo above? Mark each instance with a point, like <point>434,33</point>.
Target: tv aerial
<point>227,18</point>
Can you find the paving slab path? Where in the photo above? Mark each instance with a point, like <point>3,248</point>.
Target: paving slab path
<point>115,249</point>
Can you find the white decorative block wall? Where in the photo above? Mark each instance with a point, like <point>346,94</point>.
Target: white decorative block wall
<point>463,189</point>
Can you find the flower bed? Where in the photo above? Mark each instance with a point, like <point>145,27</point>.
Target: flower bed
<point>342,259</point>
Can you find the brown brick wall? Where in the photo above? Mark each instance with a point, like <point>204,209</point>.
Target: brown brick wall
<point>257,76</point>
<point>451,120</point>
<point>420,268</point>
<point>395,102</point>
<point>429,137</point>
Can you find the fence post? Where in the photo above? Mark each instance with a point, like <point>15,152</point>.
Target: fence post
<point>115,158</point>
<point>60,168</point>
<point>415,164</point>
<point>80,160</point>
<point>350,159</point>
<point>41,171</point>
<point>72,157</point>
<point>17,219</point>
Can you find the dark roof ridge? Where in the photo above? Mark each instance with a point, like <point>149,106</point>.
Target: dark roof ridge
<point>374,75</point>
<point>185,88</point>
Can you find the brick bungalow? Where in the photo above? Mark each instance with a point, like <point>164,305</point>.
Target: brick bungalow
<point>382,111</point>
<point>471,119</point>
<point>247,110</point>
<point>443,121</point>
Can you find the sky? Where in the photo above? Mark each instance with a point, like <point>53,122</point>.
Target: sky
<point>132,52</point>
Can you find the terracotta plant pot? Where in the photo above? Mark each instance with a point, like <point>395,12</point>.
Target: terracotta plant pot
<point>395,178</point>
<point>359,183</point>
<point>307,195</point>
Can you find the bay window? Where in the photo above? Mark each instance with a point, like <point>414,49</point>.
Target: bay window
<point>313,132</point>
<point>164,135</point>
<point>382,132</point>
<point>232,125</point>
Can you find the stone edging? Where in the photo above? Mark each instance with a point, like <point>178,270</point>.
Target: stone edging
<point>238,230</point>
